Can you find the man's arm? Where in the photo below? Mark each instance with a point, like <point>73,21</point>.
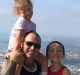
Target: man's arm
<point>9,68</point>
<point>42,59</point>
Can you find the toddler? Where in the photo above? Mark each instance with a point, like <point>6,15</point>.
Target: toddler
<point>23,9</point>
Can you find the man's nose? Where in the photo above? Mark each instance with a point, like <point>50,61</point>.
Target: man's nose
<point>32,47</point>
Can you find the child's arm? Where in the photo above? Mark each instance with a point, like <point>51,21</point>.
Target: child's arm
<point>18,40</point>
<point>66,72</point>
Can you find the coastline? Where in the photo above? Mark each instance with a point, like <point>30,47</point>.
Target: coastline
<point>2,53</point>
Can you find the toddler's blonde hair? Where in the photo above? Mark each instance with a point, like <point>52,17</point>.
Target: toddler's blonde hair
<point>23,5</point>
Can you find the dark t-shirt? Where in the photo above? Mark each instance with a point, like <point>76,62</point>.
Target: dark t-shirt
<point>25,72</point>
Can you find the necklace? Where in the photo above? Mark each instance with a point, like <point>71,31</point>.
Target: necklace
<point>30,68</point>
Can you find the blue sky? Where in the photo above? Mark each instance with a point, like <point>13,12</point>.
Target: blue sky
<point>53,17</point>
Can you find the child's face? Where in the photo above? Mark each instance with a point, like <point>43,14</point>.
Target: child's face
<point>27,14</point>
<point>55,52</point>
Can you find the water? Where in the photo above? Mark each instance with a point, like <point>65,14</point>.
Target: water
<point>72,50</point>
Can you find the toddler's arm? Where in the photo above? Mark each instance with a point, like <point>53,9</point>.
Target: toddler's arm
<point>18,40</point>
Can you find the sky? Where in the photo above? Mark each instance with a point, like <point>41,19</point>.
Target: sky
<point>52,17</point>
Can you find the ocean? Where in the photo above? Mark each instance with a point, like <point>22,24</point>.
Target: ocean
<point>72,52</point>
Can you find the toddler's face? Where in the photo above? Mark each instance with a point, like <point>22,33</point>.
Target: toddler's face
<point>27,14</point>
<point>55,52</point>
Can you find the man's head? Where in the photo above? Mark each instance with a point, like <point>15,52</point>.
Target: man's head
<point>31,44</point>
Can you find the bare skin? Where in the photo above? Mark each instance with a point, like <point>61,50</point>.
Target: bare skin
<point>56,54</point>
<point>9,67</point>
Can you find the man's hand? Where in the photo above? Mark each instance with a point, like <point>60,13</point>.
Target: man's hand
<point>17,56</point>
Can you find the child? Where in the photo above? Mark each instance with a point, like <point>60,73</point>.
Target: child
<point>55,52</point>
<point>23,9</point>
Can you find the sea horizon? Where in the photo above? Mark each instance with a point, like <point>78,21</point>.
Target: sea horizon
<point>48,38</point>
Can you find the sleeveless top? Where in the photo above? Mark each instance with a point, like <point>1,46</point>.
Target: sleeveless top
<point>20,24</point>
<point>59,72</point>
<point>24,71</point>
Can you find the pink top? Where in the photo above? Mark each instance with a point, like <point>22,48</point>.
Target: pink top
<point>20,24</point>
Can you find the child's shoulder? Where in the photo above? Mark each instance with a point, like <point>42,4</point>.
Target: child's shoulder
<point>66,71</point>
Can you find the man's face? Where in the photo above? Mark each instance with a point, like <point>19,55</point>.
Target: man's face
<point>31,45</point>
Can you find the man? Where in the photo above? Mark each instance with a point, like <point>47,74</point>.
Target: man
<point>22,62</point>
